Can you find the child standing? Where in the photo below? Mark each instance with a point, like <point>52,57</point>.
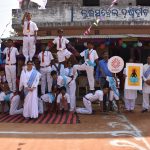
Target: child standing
<point>130,96</point>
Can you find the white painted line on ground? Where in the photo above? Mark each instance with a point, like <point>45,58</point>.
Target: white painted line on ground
<point>70,133</point>
<point>138,132</point>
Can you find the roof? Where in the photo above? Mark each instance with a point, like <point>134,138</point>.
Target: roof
<point>87,36</point>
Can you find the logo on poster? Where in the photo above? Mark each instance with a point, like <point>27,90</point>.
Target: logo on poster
<point>115,64</point>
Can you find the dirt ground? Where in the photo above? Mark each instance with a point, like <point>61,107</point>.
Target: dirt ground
<point>128,131</point>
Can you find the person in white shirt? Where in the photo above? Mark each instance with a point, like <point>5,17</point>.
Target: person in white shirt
<point>90,57</point>
<point>146,86</point>
<point>2,76</point>
<point>63,100</point>
<point>45,58</point>
<point>14,104</point>
<point>61,45</point>
<point>129,95</point>
<point>29,36</point>
<point>69,70</point>
<point>49,99</point>
<point>30,82</point>
<point>114,83</point>
<point>70,85</point>
<point>10,66</point>
<point>92,97</point>
<point>5,95</point>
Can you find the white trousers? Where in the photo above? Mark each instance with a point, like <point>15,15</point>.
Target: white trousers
<point>130,104</point>
<point>14,106</point>
<point>90,73</point>
<point>46,80</point>
<point>113,96</point>
<point>28,47</point>
<point>87,109</point>
<point>10,71</point>
<point>63,54</point>
<point>40,106</point>
<point>146,99</point>
<point>71,90</point>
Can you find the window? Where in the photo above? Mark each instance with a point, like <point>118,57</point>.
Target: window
<point>143,2</point>
<point>90,2</point>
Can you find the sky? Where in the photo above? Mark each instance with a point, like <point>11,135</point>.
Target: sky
<point>5,15</point>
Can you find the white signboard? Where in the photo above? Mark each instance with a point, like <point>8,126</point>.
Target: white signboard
<point>115,64</point>
<point>136,13</point>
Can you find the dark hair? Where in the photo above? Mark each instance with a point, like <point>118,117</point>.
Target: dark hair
<point>53,73</point>
<point>106,85</point>
<point>63,88</point>
<point>90,43</point>
<point>10,40</point>
<point>105,52</point>
<point>53,87</point>
<point>29,61</point>
<point>60,30</point>
<point>2,69</point>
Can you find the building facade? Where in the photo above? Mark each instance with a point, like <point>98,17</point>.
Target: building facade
<point>125,17</point>
<point>128,20</point>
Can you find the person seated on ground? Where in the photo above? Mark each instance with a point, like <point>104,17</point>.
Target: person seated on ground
<point>5,95</point>
<point>114,83</point>
<point>70,85</point>
<point>49,99</point>
<point>2,76</point>
<point>14,104</point>
<point>92,97</point>
<point>63,100</point>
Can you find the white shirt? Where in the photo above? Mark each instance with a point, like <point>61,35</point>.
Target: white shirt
<point>98,95</point>
<point>47,58</point>
<point>60,80</point>
<point>33,28</point>
<point>54,68</point>
<point>67,97</point>
<point>93,55</point>
<point>64,41</point>
<point>146,87</point>
<point>13,53</point>
<point>69,71</point>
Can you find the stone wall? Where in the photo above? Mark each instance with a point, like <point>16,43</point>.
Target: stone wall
<point>84,16</point>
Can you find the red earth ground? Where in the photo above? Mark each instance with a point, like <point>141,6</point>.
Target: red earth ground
<point>128,131</point>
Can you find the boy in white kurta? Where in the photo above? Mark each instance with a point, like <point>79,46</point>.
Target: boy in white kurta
<point>29,36</point>
<point>130,96</point>
<point>30,83</point>
<point>63,100</point>
<point>70,85</point>
<point>146,86</point>
<point>10,66</point>
<point>45,58</point>
<point>89,98</point>
<point>49,98</point>
<point>90,57</point>
<point>14,105</point>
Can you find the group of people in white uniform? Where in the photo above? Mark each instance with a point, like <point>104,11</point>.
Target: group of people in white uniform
<point>58,79</point>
